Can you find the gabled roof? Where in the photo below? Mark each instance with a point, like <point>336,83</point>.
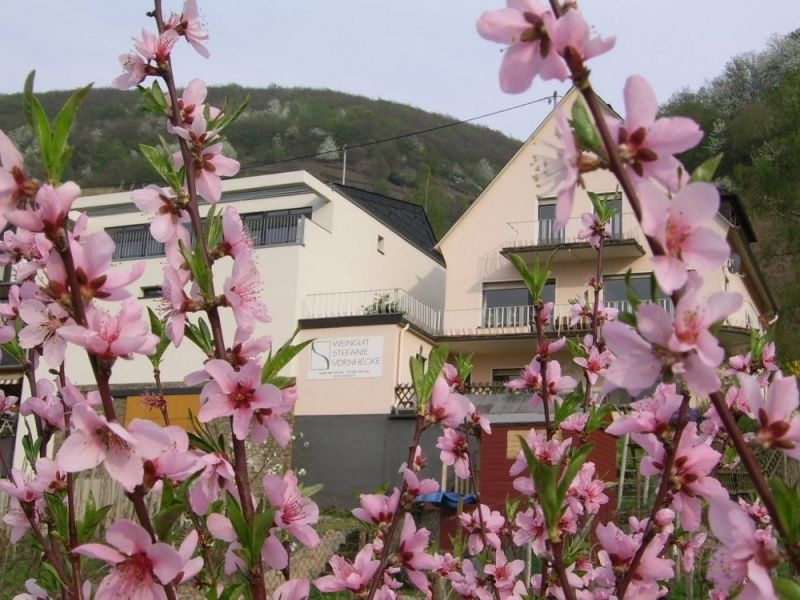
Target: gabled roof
<point>406,219</point>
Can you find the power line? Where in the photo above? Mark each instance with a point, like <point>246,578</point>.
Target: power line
<point>369,143</point>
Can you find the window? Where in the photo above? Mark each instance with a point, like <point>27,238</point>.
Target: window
<point>151,291</point>
<point>501,376</point>
<point>614,292</point>
<point>510,304</point>
<point>616,220</point>
<point>380,244</point>
<point>547,222</point>
<point>273,228</point>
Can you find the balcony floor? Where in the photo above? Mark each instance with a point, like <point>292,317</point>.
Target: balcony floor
<point>625,248</point>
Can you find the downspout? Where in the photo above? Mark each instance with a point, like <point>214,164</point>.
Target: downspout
<point>397,359</point>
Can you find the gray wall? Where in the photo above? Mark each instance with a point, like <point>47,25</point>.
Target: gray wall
<point>357,453</point>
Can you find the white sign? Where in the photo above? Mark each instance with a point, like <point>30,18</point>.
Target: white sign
<point>346,358</point>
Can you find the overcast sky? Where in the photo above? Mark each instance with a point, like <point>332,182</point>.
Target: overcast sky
<point>421,52</point>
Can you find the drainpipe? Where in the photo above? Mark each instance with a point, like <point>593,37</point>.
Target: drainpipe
<point>399,352</point>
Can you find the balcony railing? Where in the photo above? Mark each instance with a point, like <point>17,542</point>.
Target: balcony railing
<point>477,322</point>
<point>542,232</point>
<point>393,301</point>
<point>405,400</point>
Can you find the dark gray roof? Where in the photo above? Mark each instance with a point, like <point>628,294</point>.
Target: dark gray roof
<point>406,219</point>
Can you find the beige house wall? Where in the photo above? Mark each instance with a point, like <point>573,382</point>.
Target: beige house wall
<point>363,395</point>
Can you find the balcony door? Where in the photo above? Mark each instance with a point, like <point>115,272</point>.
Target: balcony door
<point>510,304</point>
<point>547,225</point>
<point>614,294</point>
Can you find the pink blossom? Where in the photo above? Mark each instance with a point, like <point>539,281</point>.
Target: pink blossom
<point>586,493</point>
<point>217,474</point>
<point>270,421</point>
<point>528,29</point>
<point>504,573</point>
<point>112,337</point>
<point>647,144</point>
<point>595,364</point>
<point>8,404</point>
<point>243,294</point>
<point>560,173</point>
<point>778,421</point>
<point>28,251</point>
<point>156,47</point>
<point>747,554</point>
<point>479,420</point>
<point>531,528</point>
<point>650,415</point>
<point>46,405</point>
<point>551,451</point>
<point>189,26</point>
<point>294,589</point>
<point>689,550</point>
<point>92,257</point>
<point>445,406</point>
<point>594,230</point>
<point>191,566</point>
<point>94,440</point>
<point>14,183</point>
<point>167,216</point>
<point>235,239</point>
<point>135,69</point>
<point>411,553</point>
<point>209,164</point>
<point>236,393</point>
<point>416,487</point>
<point>273,554</point>
<point>574,39</point>
<point>618,550</point>
<point>453,446</point>
<point>52,206</point>
<point>139,566</point>
<point>176,303</point>
<point>575,423</point>
<point>679,225</point>
<point>493,523</point>
<point>354,577</point>
<point>174,461</point>
<point>768,357</point>
<point>296,514</point>
<point>691,477</point>
<point>377,509</point>
<point>43,323</point>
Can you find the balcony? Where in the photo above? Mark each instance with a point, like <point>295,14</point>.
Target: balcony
<point>393,301</point>
<point>541,236</point>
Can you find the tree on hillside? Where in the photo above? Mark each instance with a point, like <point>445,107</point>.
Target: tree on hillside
<point>751,113</point>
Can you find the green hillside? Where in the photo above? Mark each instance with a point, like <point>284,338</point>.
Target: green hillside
<point>443,170</point>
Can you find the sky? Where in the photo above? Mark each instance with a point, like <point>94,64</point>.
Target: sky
<point>421,52</point>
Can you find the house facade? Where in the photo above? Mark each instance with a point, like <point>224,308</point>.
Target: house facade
<point>487,310</point>
<point>310,239</point>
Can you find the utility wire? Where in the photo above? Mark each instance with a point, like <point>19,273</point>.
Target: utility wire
<point>550,98</point>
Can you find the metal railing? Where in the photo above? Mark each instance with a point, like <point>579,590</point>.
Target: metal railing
<point>405,400</point>
<point>507,320</point>
<point>542,232</point>
<point>394,301</point>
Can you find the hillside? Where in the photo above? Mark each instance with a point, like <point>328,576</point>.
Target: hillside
<point>443,170</point>
<point>751,114</point>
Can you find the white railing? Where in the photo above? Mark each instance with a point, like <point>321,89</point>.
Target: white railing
<point>394,301</point>
<point>542,232</point>
<point>507,320</point>
<point>496,321</point>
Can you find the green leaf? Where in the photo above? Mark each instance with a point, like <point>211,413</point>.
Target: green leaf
<point>27,97</point>
<point>166,518</point>
<point>545,479</point>
<point>576,460</point>
<point>786,588</point>
<point>788,508</point>
<point>598,417</point>
<point>570,405</point>
<point>58,512</point>
<point>62,125</point>
<point>92,517</point>
<point>162,164</point>
<point>13,349</point>
<point>214,227</point>
<point>157,328</point>
<point>282,357</point>
<point>30,447</point>
<point>584,129</point>
<point>706,171</point>
<point>226,117</point>
<point>196,336</point>
<point>576,349</point>
<point>310,490</point>
<point>424,380</point>
<point>233,591</point>
<point>262,521</point>
<point>535,278</point>
<point>281,382</point>
<point>464,366</point>
<point>41,128</point>
<point>234,513</point>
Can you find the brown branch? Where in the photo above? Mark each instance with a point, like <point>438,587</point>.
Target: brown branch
<point>393,526</point>
<point>661,497</point>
